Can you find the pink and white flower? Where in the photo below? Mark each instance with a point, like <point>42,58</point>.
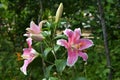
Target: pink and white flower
<point>75,45</point>
<point>35,31</point>
<point>29,54</point>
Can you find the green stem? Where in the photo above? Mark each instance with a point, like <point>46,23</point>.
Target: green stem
<point>53,51</point>
<point>85,70</point>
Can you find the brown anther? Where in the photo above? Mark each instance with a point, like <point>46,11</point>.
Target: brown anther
<point>19,56</point>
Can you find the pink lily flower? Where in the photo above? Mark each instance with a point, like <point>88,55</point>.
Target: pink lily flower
<point>29,54</point>
<point>35,31</point>
<point>75,45</point>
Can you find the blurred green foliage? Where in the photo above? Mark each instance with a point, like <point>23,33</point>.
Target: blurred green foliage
<point>15,16</point>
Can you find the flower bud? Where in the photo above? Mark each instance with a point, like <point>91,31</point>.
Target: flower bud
<point>59,12</point>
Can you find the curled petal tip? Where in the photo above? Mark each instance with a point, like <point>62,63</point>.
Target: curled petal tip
<point>68,33</point>
<point>24,72</point>
<point>25,34</point>
<point>62,42</point>
<point>32,22</point>
<point>91,43</point>
<point>70,65</point>
<point>83,55</point>
<point>42,22</point>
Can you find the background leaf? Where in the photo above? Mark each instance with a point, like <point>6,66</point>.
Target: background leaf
<point>60,65</point>
<point>80,78</point>
<point>47,71</point>
<point>46,51</point>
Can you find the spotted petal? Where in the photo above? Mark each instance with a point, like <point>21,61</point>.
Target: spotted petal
<point>72,57</point>
<point>62,42</point>
<point>68,33</point>
<point>76,35</point>
<point>83,55</point>
<point>85,43</point>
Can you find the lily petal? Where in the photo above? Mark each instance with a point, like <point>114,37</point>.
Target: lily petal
<point>29,42</point>
<point>35,31</point>
<point>62,42</point>
<point>41,23</point>
<point>76,35</point>
<point>68,33</point>
<point>85,43</point>
<point>72,57</point>
<point>26,52</point>
<point>29,54</point>
<point>83,55</point>
<point>24,67</point>
<point>35,28</point>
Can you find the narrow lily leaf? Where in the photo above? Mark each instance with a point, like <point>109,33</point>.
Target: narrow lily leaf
<point>47,71</point>
<point>48,24</point>
<point>46,51</point>
<point>60,36</point>
<point>56,47</point>
<point>46,33</point>
<point>60,65</point>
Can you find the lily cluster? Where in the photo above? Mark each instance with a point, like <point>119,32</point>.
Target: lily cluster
<point>29,54</point>
<point>74,44</point>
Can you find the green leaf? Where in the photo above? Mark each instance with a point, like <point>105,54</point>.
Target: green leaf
<point>4,4</point>
<point>46,51</point>
<point>46,33</point>
<point>60,37</point>
<point>110,1</point>
<point>106,71</point>
<point>60,65</point>
<point>47,71</point>
<point>48,24</point>
<point>56,47</point>
<point>80,78</point>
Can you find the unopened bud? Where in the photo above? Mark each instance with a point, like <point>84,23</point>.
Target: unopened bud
<point>41,23</point>
<point>59,12</point>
